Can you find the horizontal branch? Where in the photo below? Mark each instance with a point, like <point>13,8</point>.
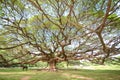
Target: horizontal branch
<point>13,46</point>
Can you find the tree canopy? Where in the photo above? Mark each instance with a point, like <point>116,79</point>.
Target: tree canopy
<point>58,30</point>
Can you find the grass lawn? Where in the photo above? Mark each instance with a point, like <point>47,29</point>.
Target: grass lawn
<point>81,74</point>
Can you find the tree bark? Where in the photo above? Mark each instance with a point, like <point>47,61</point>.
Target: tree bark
<point>52,65</point>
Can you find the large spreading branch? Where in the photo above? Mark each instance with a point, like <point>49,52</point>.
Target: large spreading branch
<point>13,46</point>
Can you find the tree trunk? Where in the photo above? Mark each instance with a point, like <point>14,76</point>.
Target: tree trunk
<point>52,65</point>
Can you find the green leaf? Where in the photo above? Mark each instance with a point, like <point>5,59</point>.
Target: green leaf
<point>2,38</point>
<point>112,16</point>
<point>54,27</point>
<point>1,11</point>
<point>99,13</point>
<point>18,3</point>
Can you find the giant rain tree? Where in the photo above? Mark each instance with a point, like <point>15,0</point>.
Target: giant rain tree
<point>60,30</point>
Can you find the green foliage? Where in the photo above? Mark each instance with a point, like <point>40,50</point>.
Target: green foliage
<point>54,27</point>
<point>2,51</point>
<point>41,64</point>
<point>2,38</point>
<point>113,61</point>
<point>10,70</point>
<point>116,19</point>
<point>73,62</point>
<point>1,12</point>
<point>18,3</point>
<point>112,16</point>
<point>2,41</point>
<point>62,65</point>
<point>99,13</point>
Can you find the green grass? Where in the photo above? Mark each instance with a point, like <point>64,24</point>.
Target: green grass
<point>10,77</point>
<point>98,74</point>
<point>17,74</point>
<point>49,76</point>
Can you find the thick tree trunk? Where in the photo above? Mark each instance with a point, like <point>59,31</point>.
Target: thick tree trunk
<point>52,65</point>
